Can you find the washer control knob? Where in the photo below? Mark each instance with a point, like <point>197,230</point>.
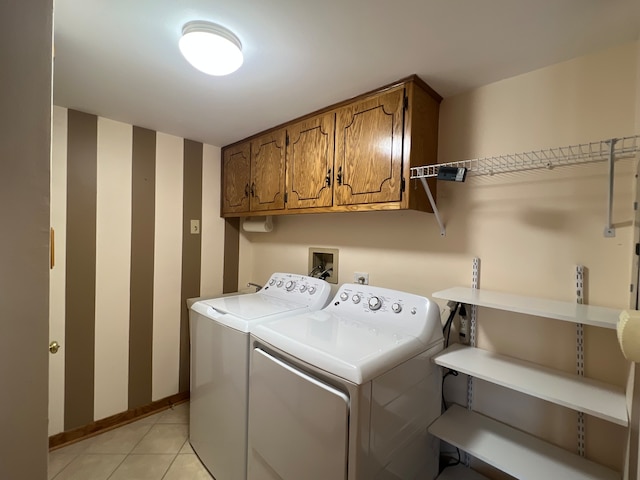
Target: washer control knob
<point>290,285</point>
<point>356,298</point>
<point>303,288</point>
<point>396,307</point>
<point>375,303</point>
<point>312,290</point>
<point>344,296</point>
<point>279,284</point>
<point>272,281</point>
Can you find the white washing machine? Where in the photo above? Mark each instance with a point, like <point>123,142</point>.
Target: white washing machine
<point>347,392</point>
<point>220,365</point>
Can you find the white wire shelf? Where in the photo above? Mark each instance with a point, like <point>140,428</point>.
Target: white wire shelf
<point>605,150</point>
<point>623,147</point>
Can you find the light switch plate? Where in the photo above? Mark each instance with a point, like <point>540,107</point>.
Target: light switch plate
<point>195,227</point>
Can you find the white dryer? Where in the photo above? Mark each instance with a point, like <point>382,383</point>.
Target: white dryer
<point>220,330</point>
<point>347,392</point>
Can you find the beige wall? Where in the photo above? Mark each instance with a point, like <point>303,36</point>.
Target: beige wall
<point>529,229</point>
<point>25,145</point>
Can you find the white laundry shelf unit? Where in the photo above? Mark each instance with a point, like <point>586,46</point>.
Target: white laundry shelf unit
<point>506,448</point>
<point>558,310</point>
<point>460,472</point>
<point>572,391</point>
<point>513,451</point>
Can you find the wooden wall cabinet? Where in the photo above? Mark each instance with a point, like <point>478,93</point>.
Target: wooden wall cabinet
<point>309,162</point>
<point>352,156</point>
<point>267,171</point>
<point>369,136</point>
<point>236,178</point>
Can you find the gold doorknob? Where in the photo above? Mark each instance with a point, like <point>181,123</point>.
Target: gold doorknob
<point>54,347</point>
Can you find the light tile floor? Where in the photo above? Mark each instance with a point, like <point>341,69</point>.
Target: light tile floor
<point>153,448</point>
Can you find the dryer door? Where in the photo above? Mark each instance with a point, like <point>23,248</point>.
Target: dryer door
<point>298,425</point>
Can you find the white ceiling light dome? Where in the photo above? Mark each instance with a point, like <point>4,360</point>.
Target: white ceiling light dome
<point>210,48</point>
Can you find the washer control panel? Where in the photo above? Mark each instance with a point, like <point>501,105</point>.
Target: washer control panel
<point>297,288</point>
<point>378,306</point>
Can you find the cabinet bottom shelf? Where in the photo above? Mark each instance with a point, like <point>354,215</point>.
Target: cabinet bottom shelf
<point>514,452</point>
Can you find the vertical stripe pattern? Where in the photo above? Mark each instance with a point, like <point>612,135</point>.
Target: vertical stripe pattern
<point>167,266</point>
<point>231,255</point>
<point>113,259</point>
<point>191,210</point>
<point>212,225</point>
<point>143,181</point>
<point>122,202</point>
<point>80,269</point>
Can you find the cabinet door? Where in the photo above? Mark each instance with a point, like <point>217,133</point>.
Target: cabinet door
<point>235,178</point>
<point>267,171</point>
<point>310,162</point>
<point>369,142</point>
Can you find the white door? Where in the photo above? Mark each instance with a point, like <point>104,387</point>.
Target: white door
<point>57,275</point>
<point>298,425</point>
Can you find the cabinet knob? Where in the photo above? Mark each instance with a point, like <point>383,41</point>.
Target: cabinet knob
<point>339,176</point>
<point>253,189</point>
<point>327,179</point>
<point>246,190</point>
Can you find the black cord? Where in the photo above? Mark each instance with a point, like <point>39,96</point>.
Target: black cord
<point>446,330</point>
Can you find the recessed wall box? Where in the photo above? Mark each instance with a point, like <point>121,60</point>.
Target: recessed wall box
<point>323,263</point>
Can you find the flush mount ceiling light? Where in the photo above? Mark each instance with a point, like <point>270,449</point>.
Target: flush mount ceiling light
<point>210,48</point>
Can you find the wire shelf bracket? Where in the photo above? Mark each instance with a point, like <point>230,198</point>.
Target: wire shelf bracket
<point>608,150</point>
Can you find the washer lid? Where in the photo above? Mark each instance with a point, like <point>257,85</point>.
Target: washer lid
<point>351,349</point>
<point>241,311</point>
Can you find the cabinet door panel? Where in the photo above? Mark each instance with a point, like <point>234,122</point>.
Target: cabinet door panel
<point>369,141</point>
<point>235,179</point>
<point>310,162</point>
<point>267,172</point>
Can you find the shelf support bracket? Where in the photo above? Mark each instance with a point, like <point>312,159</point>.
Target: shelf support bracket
<point>436,212</point>
<point>609,229</point>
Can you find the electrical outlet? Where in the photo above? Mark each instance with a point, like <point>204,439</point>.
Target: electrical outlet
<point>361,277</point>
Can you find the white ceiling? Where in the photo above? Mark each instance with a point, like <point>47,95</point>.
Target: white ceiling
<point>120,58</point>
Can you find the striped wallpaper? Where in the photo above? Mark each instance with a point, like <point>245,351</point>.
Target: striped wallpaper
<point>122,201</point>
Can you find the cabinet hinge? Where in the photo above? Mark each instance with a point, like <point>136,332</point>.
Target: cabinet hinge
<point>403,184</point>
<point>406,102</point>
<point>286,197</point>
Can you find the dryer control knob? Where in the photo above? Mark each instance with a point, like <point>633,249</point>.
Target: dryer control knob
<point>272,281</point>
<point>312,290</point>
<point>279,284</point>
<point>303,288</point>
<point>290,285</point>
<point>375,303</point>
<point>344,296</point>
<point>396,307</point>
<point>356,298</point>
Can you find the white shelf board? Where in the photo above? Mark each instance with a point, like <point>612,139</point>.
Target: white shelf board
<point>513,451</point>
<point>595,398</point>
<point>566,311</point>
<point>460,472</point>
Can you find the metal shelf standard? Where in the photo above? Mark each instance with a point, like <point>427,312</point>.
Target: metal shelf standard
<point>609,150</point>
